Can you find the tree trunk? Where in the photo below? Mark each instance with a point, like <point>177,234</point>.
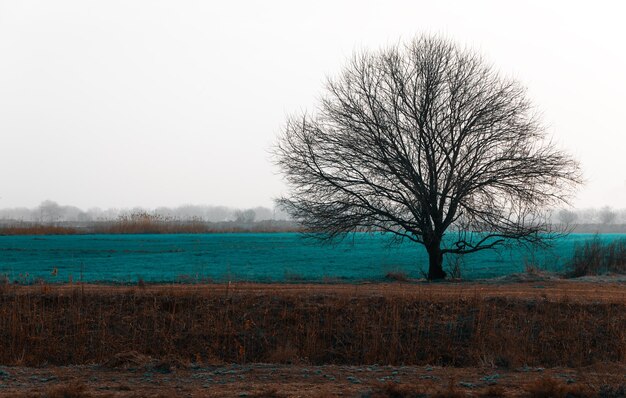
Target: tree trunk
<point>435,261</point>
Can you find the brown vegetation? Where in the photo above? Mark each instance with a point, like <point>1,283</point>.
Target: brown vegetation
<point>36,229</point>
<point>398,276</point>
<point>144,223</point>
<point>388,324</point>
<point>548,387</point>
<point>70,390</point>
<point>424,140</point>
<point>595,257</point>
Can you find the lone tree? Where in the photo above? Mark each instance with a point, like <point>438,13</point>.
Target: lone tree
<point>421,141</point>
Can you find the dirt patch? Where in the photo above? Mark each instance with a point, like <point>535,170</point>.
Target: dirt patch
<point>267,380</point>
<point>606,289</point>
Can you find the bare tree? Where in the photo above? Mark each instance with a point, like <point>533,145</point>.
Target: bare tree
<point>418,140</point>
<point>607,215</point>
<point>49,211</point>
<point>245,216</point>
<point>567,216</point>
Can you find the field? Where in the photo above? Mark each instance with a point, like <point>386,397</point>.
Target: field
<point>373,339</point>
<point>262,257</point>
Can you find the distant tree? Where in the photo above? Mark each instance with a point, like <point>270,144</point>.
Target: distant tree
<point>84,217</point>
<point>188,212</point>
<point>19,213</point>
<point>567,216</point>
<point>418,140</point>
<point>607,215</point>
<point>70,213</point>
<point>49,211</point>
<point>217,213</point>
<point>263,213</point>
<point>280,214</point>
<point>245,216</point>
<point>621,216</point>
<point>587,216</point>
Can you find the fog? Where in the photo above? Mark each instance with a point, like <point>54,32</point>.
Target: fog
<point>50,212</point>
<point>117,103</point>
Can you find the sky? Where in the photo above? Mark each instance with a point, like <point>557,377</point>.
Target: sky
<point>162,103</point>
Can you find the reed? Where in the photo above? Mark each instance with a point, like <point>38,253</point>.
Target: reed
<point>595,257</point>
<point>146,223</point>
<point>36,229</point>
<point>216,324</point>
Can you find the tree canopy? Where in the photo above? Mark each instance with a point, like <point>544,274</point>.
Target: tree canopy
<point>420,139</point>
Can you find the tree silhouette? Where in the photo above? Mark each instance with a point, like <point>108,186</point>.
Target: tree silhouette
<point>420,141</point>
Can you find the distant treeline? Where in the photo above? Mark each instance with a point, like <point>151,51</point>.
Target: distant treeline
<point>143,225</point>
<point>51,218</point>
<point>603,216</point>
<point>603,220</point>
<point>50,212</point>
<point>598,228</point>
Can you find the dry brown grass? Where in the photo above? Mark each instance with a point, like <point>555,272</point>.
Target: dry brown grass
<point>333,324</point>
<point>493,392</point>
<point>595,257</point>
<point>79,390</point>
<point>70,390</point>
<point>37,229</point>
<point>397,276</point>
<point>547,387</point>
<point>148,223</point>
<point>268,393</point>
<point>395,390</point>
<point>145,223</point>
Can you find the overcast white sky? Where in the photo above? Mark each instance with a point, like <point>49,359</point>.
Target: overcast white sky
<point>149,103</point>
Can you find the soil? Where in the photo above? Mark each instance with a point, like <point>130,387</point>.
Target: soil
<point>516,286</point>
<point>298,380</point>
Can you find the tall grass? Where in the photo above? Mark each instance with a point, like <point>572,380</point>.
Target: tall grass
<point>210,324</point>
<point>145,223</point>
<point>36,229</point>
<point>595,257</point>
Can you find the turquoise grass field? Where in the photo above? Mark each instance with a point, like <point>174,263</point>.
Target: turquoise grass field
<point>265,257</point>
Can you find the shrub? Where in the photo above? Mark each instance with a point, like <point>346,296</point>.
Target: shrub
<point>397,276</point>
<point>596,257</point>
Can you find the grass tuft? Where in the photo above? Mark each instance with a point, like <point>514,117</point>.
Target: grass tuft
<point>397,276</point>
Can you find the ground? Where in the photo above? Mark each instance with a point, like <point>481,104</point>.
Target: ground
<point>301,381</point>
<point>129,374</point>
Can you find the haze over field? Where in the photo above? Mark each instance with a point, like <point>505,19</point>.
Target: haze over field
<point>51,212</point>
<point>160,103</point>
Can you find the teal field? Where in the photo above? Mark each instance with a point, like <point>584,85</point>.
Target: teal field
<point>262,257</point>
